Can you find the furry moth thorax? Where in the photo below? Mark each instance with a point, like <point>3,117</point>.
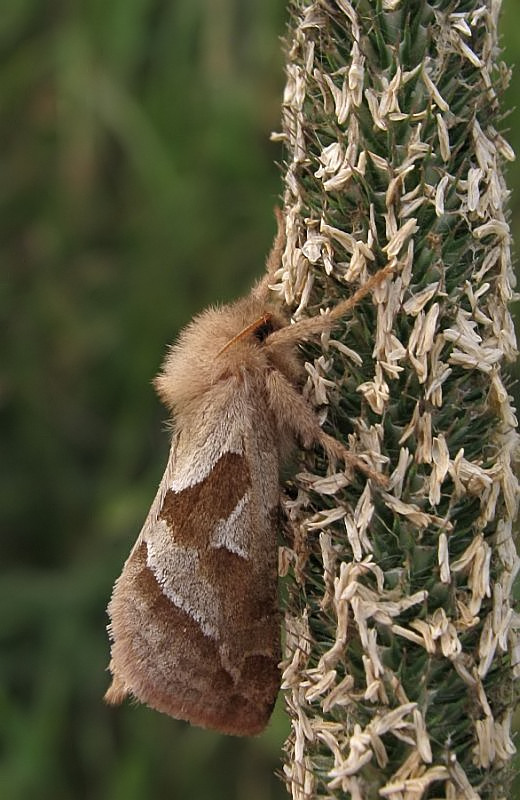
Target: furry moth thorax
<point>194,617</point>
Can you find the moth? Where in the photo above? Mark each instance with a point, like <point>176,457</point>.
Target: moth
<point>194,616</point>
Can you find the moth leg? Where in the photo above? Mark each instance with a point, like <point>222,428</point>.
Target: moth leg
<point>274,259</point>
<point>293,412</point>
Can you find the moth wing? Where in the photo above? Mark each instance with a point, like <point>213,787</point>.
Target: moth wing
<point>194,615</point>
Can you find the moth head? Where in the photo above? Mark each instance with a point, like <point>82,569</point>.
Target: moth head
<point>221,343</point>
<point>250,346</point>
<point>259,329</point>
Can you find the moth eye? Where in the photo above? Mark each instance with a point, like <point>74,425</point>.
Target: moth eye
<point>263,330</point>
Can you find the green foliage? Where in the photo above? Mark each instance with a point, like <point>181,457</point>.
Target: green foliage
<point>137,186</point>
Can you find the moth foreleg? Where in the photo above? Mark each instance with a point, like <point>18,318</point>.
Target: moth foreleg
<point>294,413</point>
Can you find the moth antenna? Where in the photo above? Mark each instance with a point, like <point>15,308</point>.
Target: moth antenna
<point>253,326</point>
<point>315,325</point>
<point>274,259</point>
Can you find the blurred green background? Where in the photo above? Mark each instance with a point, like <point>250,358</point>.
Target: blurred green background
<point>137,185</point>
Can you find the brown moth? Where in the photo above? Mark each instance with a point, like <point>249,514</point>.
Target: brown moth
<point>195,623</point>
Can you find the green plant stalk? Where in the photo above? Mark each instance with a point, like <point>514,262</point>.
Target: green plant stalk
<point>401,647</point>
